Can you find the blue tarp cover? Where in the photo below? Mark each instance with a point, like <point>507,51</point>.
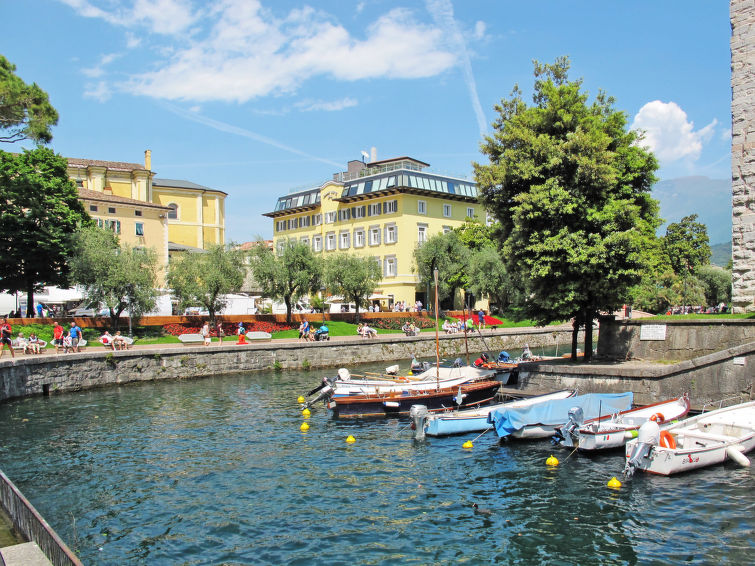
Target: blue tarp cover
<point>556,413</point>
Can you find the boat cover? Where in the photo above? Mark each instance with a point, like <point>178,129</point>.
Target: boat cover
<point>556,413</point>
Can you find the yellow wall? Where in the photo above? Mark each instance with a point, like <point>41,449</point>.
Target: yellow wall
<point>200,222</point>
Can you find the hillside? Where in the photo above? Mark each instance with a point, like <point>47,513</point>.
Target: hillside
<point>721,254</point>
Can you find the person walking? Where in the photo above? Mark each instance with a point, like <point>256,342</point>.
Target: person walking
<point>220,333</point>
<point>57,337</point>
<point>205,332</point>
<point>75,334</point>
<point>481,319</point>
<point>6,338</point>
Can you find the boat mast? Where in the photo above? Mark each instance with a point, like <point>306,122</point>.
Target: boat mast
<point>437,338</point>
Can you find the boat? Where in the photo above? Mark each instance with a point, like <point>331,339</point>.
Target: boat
<point>703,440</point>
<point>400,402</point>
<point>476,419</point>
<point>614,430</point>
<point>541,421</point>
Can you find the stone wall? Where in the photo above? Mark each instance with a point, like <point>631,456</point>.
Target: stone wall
<point>742,13</point>
<point>52,373</point>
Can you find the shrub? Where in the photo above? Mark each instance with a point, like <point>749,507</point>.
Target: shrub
<point>229,328</point>
<point>397,323</point>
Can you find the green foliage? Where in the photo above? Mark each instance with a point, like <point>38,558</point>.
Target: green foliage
<point>305,365</point>
<point>39,212</point>
<point>570,187</point>
<point>202,278</point>
<point>25,110</point>
<point>446,253</point>
<point>110,361</point>
<point>289,275</point>
<point>716,284</point>
<point>353,277</point>
<point>487,276</point>
<point>118,277</point>
<point>687,246</point>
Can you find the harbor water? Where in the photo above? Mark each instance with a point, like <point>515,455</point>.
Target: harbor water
<point>217,471</point>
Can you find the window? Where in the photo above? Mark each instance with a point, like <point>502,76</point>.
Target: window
<point>375,209</point>
<point>80,183</point>
<point>330,217</point>
<point>330,241</point>
<point>421,207</point>
<point>92,208</point>
<point>137,213</point>
<point>293,223</point>
<point>305,240</point>
<point>280,225</point>
<point>358,212</point>
<point>344,240</point>
<point>281,246</point>
<point>359,238</point>
<point>390,207</point>
<point>316,219</point>
<point>317,243</point>
<point>375,235</point>
<point>446,229</point>
<point>470,212</point>
<point>114,225</point>
<point>344,214</point>
<point>391,234</point>
<point>304,221</point>
<point>173,212</point>
<point>447,210</point>
<point>421,233</point>
<point>389,266</point>
<point>140,228</point>
<point>111,210</point>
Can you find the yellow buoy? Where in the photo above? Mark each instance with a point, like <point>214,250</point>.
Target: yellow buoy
<point>614,483</point>
<point>350,439</point>
<point>552,461</point>
<point>304,427</point>
<point>306,412</point>
<point>409,372</point>
<point>467,444</point>
<point>301,399</point>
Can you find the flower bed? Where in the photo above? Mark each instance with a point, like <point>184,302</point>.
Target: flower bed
<point>397,323</point>
<point>229,328</point>
<point>489,320</point>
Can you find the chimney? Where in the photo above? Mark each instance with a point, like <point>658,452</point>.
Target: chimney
<point>373,154</point>
<point>148,159</point>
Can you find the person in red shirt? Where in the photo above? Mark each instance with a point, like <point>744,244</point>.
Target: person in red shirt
<point>57,335</point>
<point>6,334</point>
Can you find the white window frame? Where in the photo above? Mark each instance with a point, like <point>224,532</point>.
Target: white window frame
<point>305,240</point>
<point>317,243</point>
<point>280,246</point>
<point>316,219</point>
<point>330,217</point>
<point>375,209</point>
<point>421,234</point>
<point>139,228</point>
<point>359,212</point>
<point>422,207</point>
<point>390,235</point>
<point>359,238</point>
<point>344,240</point>
<point>470,211</point>
<point>390,266</point>
<point>330,241</point>
<point>391,206</point>
<point>374,235</point>
<point>173,212</point>
<point>447,210</point>
<point>447,229</point>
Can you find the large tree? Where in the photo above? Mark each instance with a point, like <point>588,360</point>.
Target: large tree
<point>446,253</point>
<point>118,277</point>
<point>288,275</point>
<point>687,245</point>
<point>202,278</point>
<point>25,110</point>
<point>570,186</point>
<point>39,213</point>
<point>353,277</point>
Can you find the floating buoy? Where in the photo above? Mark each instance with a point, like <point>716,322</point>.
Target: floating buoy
<point>613,483</point>
<point>468,444</point>
<point>350,439</point>
<point>306,412</point>
<point>551,461</point>
<point>304,427</point>
<point>301,399</point>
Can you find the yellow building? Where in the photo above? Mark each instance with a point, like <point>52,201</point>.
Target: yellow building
<point>193,215</point>
<point>383,209</point>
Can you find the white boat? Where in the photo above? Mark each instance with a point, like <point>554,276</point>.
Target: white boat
<point>614,430</point>
<point>476,419</point>
<point>706,439</point>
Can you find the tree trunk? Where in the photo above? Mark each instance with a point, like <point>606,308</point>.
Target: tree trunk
<point>574,337</point>
<point>30,301</point>
<point>589,316</point>
<point>287,300</point>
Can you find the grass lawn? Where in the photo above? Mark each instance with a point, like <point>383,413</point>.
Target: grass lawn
<point>700,316</point>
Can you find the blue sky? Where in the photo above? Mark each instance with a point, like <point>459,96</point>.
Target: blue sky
<point>256,98</point>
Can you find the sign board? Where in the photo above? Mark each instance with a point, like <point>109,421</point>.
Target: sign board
<point>653,332</point>
<point>738,361</point>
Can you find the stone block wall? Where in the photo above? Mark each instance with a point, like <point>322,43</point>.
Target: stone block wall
<point>742,14</point>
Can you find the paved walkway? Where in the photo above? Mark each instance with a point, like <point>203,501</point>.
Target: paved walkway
<point>25,554</point>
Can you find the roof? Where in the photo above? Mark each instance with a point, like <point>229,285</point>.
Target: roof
<point>105,197</point>
<point>115,165</point>
<point>181,184</point>
<point>174,247</point>
<point>404,158</point>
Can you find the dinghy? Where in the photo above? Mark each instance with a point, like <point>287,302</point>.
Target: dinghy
<point>706,439</point>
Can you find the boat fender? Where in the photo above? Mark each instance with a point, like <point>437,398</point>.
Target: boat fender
<point>667,441</point>
<point>658,417</point>
<point>737,456</point>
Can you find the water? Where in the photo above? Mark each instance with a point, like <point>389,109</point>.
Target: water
<point>216,471</point>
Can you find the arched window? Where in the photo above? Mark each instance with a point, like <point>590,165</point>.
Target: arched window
<point>173,212</point>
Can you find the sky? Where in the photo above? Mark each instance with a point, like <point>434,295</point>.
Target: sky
<point>258,98</point>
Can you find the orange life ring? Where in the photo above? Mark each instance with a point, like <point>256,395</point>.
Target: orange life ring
<point>667,441</point>
<point>658,417</point>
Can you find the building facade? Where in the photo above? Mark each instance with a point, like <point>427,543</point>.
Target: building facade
<point>384,210</point>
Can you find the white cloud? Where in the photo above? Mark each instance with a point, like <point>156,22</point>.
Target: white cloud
<point>99,69</point>
<point>668,132</point>
<point>479,29</point>
<point>159,16</point>
<point>326,105</point>
<point>99,91</point>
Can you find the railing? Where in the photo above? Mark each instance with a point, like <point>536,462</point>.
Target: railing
<point>32,526</point>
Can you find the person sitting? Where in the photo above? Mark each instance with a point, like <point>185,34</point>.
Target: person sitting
<point>482,360</point>
<point>504,357</point>
<point>407,328</point>
<point>67,342</point>
<point>446,327</point>
<point>369,332</point>
<point>119,342</point>
<point>34,346</point>
<point>22,343</point>
<point>107,340</point>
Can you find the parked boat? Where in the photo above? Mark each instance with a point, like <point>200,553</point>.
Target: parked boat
<point>400,402</point>
<point>476,419</point>
<point>614,430</point>
<point>541,421</point>
<point>706,439</point>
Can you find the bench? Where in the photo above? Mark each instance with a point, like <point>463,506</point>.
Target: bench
<point>17,346</point>
<point>259,336</point>
<point>191,339</point>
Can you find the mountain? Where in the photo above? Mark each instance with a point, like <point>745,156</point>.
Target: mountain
<point>710,199</point>
<point>721,254</point>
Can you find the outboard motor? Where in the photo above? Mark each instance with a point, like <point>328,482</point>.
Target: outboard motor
<point>392,370</point>
<point>458,362</point>
<point>648,436</point>
<point>344,375</point>
<point>565,433</point>
<point>418,414</point>
<point>325,389</point>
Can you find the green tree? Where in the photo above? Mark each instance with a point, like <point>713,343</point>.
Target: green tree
<point>118,277</point>
<point>687,245</point>
<point>295,272</point>
<point>353,277</point>
<point>570,187</point>
<point>716,283</point>
<point>39,212</point>
<point>25,110</point>
<point>487,277</point>
<point>446,253</point>
<point>202,278</point>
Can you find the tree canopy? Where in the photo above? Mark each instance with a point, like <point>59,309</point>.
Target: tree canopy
<point>39,212</point>
<point>570,186</point>
<point>687,245</point>
<point>117,277</point>
<point>353,277</point>
<point>202,278</point>
<point>446,253</point>
<point>25,110</point>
